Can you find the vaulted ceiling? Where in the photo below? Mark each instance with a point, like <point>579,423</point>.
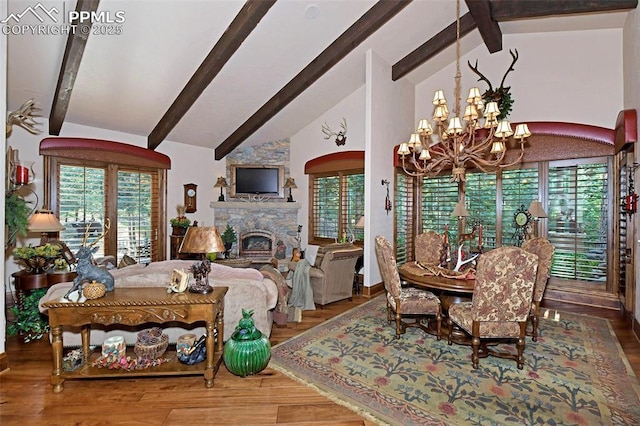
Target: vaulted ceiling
<point>226,72</point>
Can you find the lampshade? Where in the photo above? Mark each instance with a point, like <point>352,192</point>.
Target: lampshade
<point>44,221</point>
<point>221,183</point>
<point>202,239</point>
<point>360,223</point>
<point>460,211</point>
<point>290,183</point>
<point>536,209</point>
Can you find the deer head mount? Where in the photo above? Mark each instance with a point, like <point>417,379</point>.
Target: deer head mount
<point>341,136</point>
<point>24,117</point>
<point>502,94</point>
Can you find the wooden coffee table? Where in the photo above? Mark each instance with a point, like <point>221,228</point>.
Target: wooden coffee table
<point>136,306</point>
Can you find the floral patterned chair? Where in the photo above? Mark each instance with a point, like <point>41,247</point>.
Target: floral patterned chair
<point>501,302</point>
<point>429,248</point>
<point>407,301</point>
<point>544,250</point>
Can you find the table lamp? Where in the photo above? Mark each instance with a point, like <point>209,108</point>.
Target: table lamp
<point>290,183</point>
<point>201,240</point>
<point>221,183</point>
<point>44,221</point>
<point>537,211</point>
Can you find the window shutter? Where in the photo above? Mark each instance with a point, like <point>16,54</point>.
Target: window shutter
<point>136,228</point>
<point>480,198</point>
<point>578,221</point>
<point>326,206</point>
<point>404,217</point>
<point>439,198</point>
<point>81,201</point>
<point>519,187</point>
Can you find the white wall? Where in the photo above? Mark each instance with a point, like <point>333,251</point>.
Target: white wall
<point>573,76</point>
<point>389,108</point>
<point>309,143</point>
<point>631,50</point>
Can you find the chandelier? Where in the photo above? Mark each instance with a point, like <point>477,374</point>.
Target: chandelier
<point>459,147</point>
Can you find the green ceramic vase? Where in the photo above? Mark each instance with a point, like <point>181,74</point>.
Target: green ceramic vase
<point>247,351</point>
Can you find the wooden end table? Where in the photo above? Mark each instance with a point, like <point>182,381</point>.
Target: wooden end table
<point>136,306</point>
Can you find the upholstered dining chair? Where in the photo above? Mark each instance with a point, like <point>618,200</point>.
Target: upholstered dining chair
<point>429,248</point>
<point>544,250</point>
<point>500,304</point>
<point>405,302</point>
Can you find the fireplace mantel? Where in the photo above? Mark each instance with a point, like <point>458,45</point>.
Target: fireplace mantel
<point>254,205</point>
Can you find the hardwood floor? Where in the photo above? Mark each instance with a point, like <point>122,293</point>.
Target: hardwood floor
<point>269,398</point>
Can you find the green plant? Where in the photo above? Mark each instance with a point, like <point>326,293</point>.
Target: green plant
<point>229,235</point>
<point>37,259</point>
<point>16,216</point>
<point>180,222</point>
<point>27,319</point>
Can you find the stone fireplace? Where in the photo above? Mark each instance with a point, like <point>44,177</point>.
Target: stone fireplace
<point>257,244</point>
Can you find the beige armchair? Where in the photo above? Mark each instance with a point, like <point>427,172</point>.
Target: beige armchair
<point>333,272</point>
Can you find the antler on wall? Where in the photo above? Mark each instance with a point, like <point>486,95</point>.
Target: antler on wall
<point>502,94</point>
<point>24,117</point>
<point>341,136</point>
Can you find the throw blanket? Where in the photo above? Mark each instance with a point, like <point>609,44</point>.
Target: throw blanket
<point>302,293</point>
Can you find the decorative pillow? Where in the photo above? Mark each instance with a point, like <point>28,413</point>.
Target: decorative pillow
<point>126,261</point>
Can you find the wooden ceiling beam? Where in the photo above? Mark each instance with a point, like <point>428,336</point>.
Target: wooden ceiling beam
<point>243,24</point>
<point>379,14</point>
<point>501,10</point>
<point>489,29</point>
<point>432,47</point>
<point>507,10</point>
<point>73,51</point>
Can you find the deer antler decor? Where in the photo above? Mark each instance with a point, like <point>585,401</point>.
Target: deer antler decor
<point>461,147</point>
<point>23,117</point>
<point>341,136</point>
<point>502,94</point>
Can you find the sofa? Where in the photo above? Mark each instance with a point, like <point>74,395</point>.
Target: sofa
<point>249,289</point>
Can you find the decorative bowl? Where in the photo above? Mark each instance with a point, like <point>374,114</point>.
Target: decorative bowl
<point>94,290</point>
<point>151,343</point>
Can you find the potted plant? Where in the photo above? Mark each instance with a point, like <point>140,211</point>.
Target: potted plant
<point>16,216</point>
<point>27,320</point>
<point>180,223</point>
<point>229,237</point>
<point>39,259</point>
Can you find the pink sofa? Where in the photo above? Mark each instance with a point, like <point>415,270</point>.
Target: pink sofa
<point>248,289</point>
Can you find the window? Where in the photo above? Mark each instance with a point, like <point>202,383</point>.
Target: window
<point>337,196</point>
<point>338,203</point>
<point>578,207</point>
<point>85,191</point>
<point>404,218</point>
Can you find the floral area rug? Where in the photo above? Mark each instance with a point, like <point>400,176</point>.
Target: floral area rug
<point>576,374</point>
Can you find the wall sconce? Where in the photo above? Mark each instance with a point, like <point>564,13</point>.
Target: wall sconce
<point>290,184</point>
<point>44,221</point>
<point>221,183</point>
<point>537,211</point>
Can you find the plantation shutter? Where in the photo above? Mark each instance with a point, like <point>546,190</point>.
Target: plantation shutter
<point>326,206</point>
<point>137,223</point>
<point>578,221</point>
<point>519,188</point>
<point>439,198</point>
<point>480,197</point>
<point>82,202</point>
<point>404,223</point>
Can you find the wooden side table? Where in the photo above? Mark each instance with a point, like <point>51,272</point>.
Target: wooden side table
<point>137,306</point>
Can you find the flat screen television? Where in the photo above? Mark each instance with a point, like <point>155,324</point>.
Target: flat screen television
<point>253,179</point>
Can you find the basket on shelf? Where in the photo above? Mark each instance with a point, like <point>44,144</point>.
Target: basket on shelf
<point>151,343</point>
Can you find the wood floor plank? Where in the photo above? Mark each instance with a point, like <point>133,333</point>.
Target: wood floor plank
<point>268,398</point>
